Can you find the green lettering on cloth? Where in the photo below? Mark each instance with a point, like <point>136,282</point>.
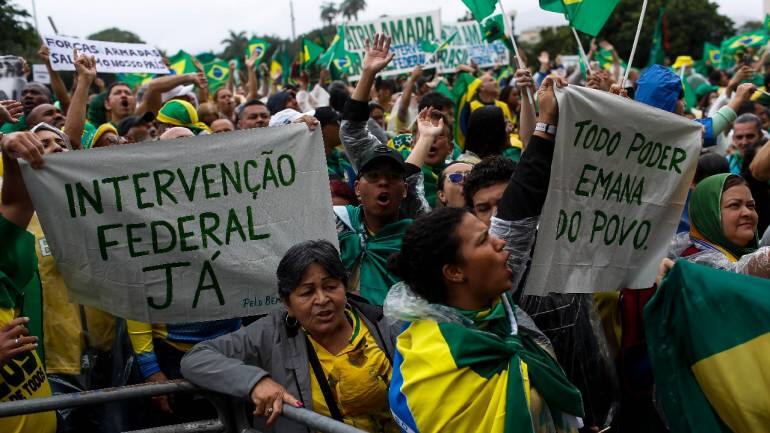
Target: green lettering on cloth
<point>369,253</point>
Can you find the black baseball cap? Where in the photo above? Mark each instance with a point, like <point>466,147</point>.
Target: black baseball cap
<point>380,153</point>
<point>129,122</point>
<point>326,115</point>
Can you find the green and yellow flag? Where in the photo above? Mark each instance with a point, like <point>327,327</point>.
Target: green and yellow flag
<point>182,63</point>
<point>490,17</point>
<point>335,50</point>
<point>588,16</point>
<point>310,52</point>
<point>206,57</point>
<point>259,46</point>
<point>711,54</point>
<point>217,73</point>
<point>766,24</point>
<point>739,43</point>
<point>436,47</point>
<point>708,335</point>
<point>135,80</point>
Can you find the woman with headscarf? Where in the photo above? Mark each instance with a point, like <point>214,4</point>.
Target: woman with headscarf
<point>326,350</point>
<point>723,228</point>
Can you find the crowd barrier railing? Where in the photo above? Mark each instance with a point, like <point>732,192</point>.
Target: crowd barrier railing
<point>227,421</point>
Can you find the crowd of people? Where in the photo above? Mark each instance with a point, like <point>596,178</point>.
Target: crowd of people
<point>418,322</point>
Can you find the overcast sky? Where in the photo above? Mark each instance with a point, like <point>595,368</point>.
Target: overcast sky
<point>197,26</point>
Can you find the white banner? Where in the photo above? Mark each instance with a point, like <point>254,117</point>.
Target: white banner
<point>40,74</point>
<point>620,175</point>
<point>111,57</point>
<point>469,45</point>
<point>407,31</point>
<point>11,78</point>
<point>184,230</point>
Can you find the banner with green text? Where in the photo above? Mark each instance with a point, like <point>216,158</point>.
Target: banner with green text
<point>184,230</point>
<point>469,45</point>
<point>619,180</point>
<point>407,33</point>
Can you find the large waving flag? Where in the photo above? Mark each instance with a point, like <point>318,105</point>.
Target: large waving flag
<point>588,16</point>
<point>182,63</point>
<point>310,52</point>
<point>259,46</point>
<point>490,17</point>
<point>335,50</point>
<point>217,73</point>
<point>732,46</point>
<point>708,333</point>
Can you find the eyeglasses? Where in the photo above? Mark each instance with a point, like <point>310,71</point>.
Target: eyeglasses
<point>457,178</point>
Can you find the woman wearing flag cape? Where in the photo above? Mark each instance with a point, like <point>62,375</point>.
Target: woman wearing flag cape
<point>469,360</point>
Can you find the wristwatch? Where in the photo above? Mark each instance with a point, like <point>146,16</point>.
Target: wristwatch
<point>544,127</point>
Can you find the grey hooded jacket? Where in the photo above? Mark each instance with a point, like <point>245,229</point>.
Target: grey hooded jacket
<point>233,364</point>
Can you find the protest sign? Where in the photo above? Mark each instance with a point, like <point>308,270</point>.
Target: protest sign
<point>407,32</point>
<point>183,230</point>
<point>11,77</point>
<point>40,74</point>
<point>111,57</point>
<point>619,179</point>
<point>469,45</point>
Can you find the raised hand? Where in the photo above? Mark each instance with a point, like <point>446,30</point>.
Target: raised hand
<point>524,79</point>
<point>85,66</point>
<point>10,111</point>
<point>377,55</point>
<point>427,126</point>
<point>549,109</point>
<point>45,53</point>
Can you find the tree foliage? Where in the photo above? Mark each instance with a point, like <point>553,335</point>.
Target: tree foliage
<point>235,45</point>
<point>329,12</point>
<point>689,24</point>
<point>114,34</point>
<point>351,8</point>
<point>17,36</point>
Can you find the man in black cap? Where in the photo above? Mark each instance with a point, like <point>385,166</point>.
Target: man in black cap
<point>386,187</point>
<point>136,128</point>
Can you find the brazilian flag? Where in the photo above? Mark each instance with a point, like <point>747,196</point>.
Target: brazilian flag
<point>708,335</point>
<point>712,54</point>
<point>217,73</point>
<point>206,57</point>
<point>259,46</point>
<point>310,52</point>
<point>490,18</point>
<point>588,16</point>
<point>739,43</point>
<point>135,80</point>
<point>489,371</point>
<point>182,63</point>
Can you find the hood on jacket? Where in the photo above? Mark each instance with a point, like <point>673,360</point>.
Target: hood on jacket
<point>659,87</point>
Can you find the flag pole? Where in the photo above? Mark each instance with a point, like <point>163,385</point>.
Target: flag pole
<point>519,62</point>
<point>582,51</point>
<point>633,48</point>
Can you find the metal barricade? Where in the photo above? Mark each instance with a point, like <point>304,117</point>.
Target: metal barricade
<point>223,424</point>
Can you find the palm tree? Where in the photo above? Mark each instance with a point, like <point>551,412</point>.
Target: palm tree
<point>235,45</point>
<point>329,12</point>
<point>351,8</point>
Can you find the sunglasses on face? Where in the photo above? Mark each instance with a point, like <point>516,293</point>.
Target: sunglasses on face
<point>457,178</point>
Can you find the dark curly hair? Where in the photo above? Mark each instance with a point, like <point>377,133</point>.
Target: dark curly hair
<point>486,132</point>
<point>299,257</point>
<point>430,243</point>
<point>490,171</point>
